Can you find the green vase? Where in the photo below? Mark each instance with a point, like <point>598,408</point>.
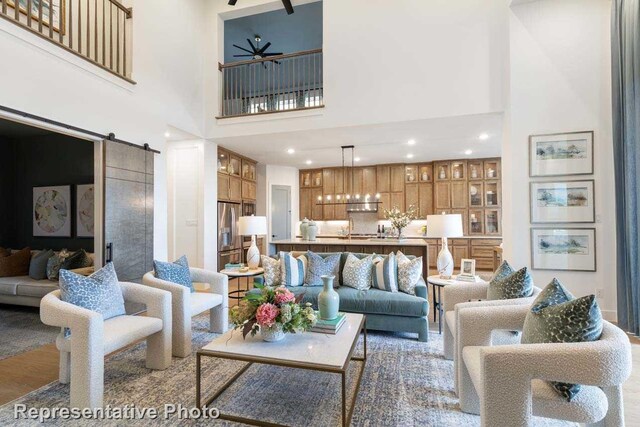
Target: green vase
<point>328,299</point>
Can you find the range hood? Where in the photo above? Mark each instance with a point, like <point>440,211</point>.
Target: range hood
<point>363,207</point>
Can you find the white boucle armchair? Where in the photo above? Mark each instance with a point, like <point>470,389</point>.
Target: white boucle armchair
<point>461,295</point>
<point>82,353</point>
<point>508,384</point>
<point>186,304</point>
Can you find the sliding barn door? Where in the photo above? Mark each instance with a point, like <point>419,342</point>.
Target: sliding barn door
<point>128,210</point>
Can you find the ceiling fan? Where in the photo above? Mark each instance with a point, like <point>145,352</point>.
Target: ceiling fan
<point>287,5</point>
<point>256,51</point>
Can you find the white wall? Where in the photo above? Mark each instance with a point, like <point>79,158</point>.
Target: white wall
<point>385,61</point>
<point>167,37</point>
<point>268,176</point>
<point>560,81</point>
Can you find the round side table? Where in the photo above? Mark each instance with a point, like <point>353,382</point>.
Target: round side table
<point>437,283</point>
<point>235,274</point>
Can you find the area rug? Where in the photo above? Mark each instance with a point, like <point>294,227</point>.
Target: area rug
<point>22,330</point>
<point>405,383</point>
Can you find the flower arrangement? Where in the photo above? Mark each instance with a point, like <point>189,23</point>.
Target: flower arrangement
<point>273,309</point>
<point>399,220</point>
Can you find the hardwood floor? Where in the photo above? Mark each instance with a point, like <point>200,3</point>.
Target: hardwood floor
<point>26,372</point>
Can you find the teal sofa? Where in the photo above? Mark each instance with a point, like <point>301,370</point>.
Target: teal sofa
<point>385,311</point>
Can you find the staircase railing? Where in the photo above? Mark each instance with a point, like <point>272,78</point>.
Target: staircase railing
<point>273,84</point>
<point>96,30</point>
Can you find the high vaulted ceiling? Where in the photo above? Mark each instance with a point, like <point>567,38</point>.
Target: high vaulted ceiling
<point>435,139</point>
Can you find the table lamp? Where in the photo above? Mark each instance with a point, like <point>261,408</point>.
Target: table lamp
<point>252,226</point>
<point>444,226</point>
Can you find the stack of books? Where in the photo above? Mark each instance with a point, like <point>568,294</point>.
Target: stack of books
<point>467,278</point>
<point>329,326</point>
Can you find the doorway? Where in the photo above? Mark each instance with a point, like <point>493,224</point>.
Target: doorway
<point>280,212</point>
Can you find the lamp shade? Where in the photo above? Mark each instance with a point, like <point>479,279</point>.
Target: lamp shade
<point>252,225</point>
<point>444,225</point>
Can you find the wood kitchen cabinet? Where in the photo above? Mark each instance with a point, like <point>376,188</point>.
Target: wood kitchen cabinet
<point>459,194</point>
<point>460,250</point>
<point>223,186</point>
<point>421,197</point>
<point>383,179</point>
<point>442,199</point>
<point>235,189</point>
<point>369,181</point>
<point>396,200</point>
<point>248,190</point>
<point>385,203</point>
<point>316,209</point>
<point>306,200</point>
<point>396,178</point>
<point>236,177</point>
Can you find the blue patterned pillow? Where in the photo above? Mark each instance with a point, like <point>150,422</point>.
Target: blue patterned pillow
<point>292,269</point>
<point>174,272</point>
<point>557,317</point>
<point>318,266</point>
<point>514,285</point>
<point>99,292</point>
<point>385,273</point>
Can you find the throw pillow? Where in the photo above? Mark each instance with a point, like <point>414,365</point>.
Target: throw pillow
<point>16,264</point>
<point>272,271</point>
<point>385,273</point>
<point>318,266</point>
<point>292,269</point>
<point>55,263</point>
<point>99,292</point>
<point>503,271</point>
<point>4,252</point>
<point>38,264</point>
<point>357,273</point>
<point>514,285</point>
<point>409,273</point>
<point>78,259</point>
<point>174,272</point>
<point>557,317</point>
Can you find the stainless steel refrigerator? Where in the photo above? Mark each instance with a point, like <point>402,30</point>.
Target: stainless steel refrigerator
<point>229,242</point>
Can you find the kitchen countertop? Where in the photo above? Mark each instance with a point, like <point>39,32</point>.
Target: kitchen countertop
<point>354,242</point>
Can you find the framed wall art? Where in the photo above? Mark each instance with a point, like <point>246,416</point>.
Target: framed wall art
<point>84,210</point>
<point>570,249</point>
<point>562,201</point>
<point>561,154</point>
<point>52,211</point>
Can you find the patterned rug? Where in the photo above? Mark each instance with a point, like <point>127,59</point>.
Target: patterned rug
<point>21,330</point>
<point>405,383</point>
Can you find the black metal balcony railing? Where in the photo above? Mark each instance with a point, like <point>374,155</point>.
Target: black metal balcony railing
<point>96,30</point>
<point>269,85</point>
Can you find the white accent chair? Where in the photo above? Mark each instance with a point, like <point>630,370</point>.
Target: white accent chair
<point>186,304</point>
<point>507,384</point>
<point>92,337</point>
<point>461,295</point>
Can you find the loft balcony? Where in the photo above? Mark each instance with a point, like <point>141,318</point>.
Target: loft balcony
<point>281,83</point>
<point>98,31</point>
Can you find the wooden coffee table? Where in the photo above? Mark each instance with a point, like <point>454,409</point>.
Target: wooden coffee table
<point>311,351</point>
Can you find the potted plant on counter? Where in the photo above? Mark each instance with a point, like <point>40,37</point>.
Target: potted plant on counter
<point>273,312</point>
<point>399,220</point>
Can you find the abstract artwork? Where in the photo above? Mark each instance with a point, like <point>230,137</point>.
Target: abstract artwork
<point>563,249</point>
<point>53,11</point>
<point>566,201</point>
<point>84,210</point>
<point>51,211</point>
<point>561,154</point>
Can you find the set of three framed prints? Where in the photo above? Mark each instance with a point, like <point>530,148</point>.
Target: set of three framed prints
<point>562,201</point>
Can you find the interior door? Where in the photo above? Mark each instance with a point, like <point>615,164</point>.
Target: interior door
<point>280,212</point>
<point>128,210</point>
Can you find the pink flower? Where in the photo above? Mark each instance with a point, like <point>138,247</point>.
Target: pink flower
<point>266,314</point>
<point>283,295</point>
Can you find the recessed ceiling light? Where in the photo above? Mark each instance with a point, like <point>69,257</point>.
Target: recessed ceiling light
<point>357,159</point>
<point>409,156</point>
<point>308,162</point>
<point>483,137</point>
<point>412,142</point>
<point>291,151</point>
<point>167,135</point>
<point>468,152</point>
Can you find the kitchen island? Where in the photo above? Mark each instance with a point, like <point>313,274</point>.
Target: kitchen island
<point>417,247</point>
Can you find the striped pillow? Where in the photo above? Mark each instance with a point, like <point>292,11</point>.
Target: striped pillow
<point>293,269</point>
<point>385,273</point>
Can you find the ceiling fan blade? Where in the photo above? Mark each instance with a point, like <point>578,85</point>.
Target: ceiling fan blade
<point>272,54</point>
<point>241,48</point>
<point>252,46</point>
<point>232,2</point>
<point>265,47</point>
<point>287,6</point>
<point>242,56</point>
